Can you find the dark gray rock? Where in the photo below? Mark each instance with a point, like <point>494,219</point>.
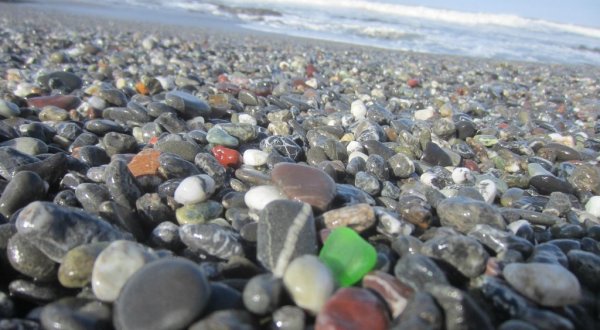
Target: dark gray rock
<point>263,293</point>
<point>460,310</point>
<point>25,187</point>
<point>212,239</point>
<point>91,195</point>
<point>463,214</point>
<point>121,184</point>
<point>417,271</point>
<point>76,314</point>
<point>462,252</point>
<point>27,259</point>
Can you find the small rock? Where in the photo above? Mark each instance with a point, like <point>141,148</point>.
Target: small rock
<point>75,270</point>
<point>263,293</point>
<point>309,282</point>
<point>359,217</point>
<point>352,308</point>
<point>304,183</point>
<point>194,189</point>
<point>212,239</point>
<point>394,293</point>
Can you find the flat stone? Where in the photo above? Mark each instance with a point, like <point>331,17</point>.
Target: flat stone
<point>547,284</point>
<point>359,217</point>
<point>309,282</point>
<point>352,308</point>
<point>184,149</point>
<point>75,270</point>
<point>434,155</point>
<point>348,256</point>
<point>463,214</point>
<point>27,145</point>
<point>169,293</point>
<point>187,104</point>
<point>115,264</point>
<point>55,230</point>
<point>145,163</point>
<point>217,135</point>
<point>25,187</point>
<point>304,183</point>
<point>286,230</point>
<point>66,102</point>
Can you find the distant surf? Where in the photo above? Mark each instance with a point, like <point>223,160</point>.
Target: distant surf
<point>412,28</point>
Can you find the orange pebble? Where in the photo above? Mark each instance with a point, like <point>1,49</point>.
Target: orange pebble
<point>227,157</point>
<point>144,163</point>
<point>141,88</point>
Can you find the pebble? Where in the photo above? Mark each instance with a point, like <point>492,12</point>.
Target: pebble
<point>75,270</point>
<point>462,252</point>
<point>198,212</point>
<point>25,187</point>
<point>304,183</point>
<point>394,293</point>
<point>309,282</point>
<point>227,157</point>
<point>547,284</point>
<point>359,217</point>
<point>27,259</point>
<point>212,239</point>
<point>460,310</point>
<point>286,230</point>
<point>188,105</point>
<point>255,157</point>
<point>352,308</point>
<point>194,189</point>
<point>183,290</point>
<point>260,196</point>
<point>121,184</point>
<point>463,214</point>
<point>75,313</point>
<point>115,265</point>
<point>263,294</point>
<point>586,266</point>
<point>55,230</point>
<point>348,256</point>
<point>418,271</point>
<point>288,318</point>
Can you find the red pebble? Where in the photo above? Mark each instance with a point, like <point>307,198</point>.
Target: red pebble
<point>413,82</point>
<point>310,70</point>
<point>352,308</point>
<point>503,125</point>
<point>471,165</point>
<point>227,157</point>
<point>222,78</point>
<point>66,102</point>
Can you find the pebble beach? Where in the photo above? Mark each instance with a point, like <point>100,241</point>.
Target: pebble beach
<point>156,175</point>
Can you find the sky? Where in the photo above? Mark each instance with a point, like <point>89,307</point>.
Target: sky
<point>579,12</point>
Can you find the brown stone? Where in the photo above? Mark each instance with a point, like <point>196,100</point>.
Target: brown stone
<point>358,217</point>
<point>304,183</point>
<point>352,308</point>
<point>395,293</point>
<point>66,102</point>
<point>145,163</point>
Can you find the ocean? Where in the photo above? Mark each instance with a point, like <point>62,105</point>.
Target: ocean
<point>389,24</point>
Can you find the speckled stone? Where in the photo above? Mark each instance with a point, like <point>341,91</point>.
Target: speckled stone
<point>75,270</point>
<point>212,239</point>
<point>359,217</point>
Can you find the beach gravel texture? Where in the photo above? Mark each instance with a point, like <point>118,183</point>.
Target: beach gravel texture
<point>209,178</point>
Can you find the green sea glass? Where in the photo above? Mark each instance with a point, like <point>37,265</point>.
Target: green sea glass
<point>348,256</point>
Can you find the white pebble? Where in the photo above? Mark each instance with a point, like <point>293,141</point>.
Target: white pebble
<point>194,189</point>
<point>358,109</point>
<point>255,157</point>
<point>312,83</point>
<point>245,118</point>
<point>355,154</point>
<point>309,282</point>
<point>427,178</point>
<point>461,175</point>
<point>424,114</point>
<point>115,265</point>
<point>514,226</point>
<point>354,146</point>
<point>258,197</point>
<point>593,206</point>
<point>487,189</point>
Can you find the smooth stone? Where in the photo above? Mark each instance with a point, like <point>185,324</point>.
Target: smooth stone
<point>258,197</point>
<point>367,182</point>
<point>172,166</point>
<point>11,159</point>
<point>549,253</point>
<point>211,166</point>
<point>309,282</point>
<point>66,102</point>
<point>288,318</point>
<point>27,259</point>
<point>358,110</point>
<point>401,165</point>
<point>255,157</point>
<point>91,195</point>
<point>123,218</point>
<point>226,320</point>
<point>227,157</point>
<point>119,143</point>
<point>462,252</point>
<point>27,145</point>
<point>286,230</point>
<point>113,96</point>
<point>547,284</point>
<point>218,136</point>
<point>75,270</point>
<point>52,169</point>
<point>52,113</point>
<point>35,292</point>
<point>76,314</point>
<point>586,266</point>
<point>359,217</point>
<point>348,256</point>
<point>115,265</point>
<point>252,177</point>
<point>461,312</point>
<point>9,109</point>
<point>198,212</point>
<point>187,104</point>
<point>593,206</point>
<point>390,289</point>
<point>169,293</point>
<point>304,183</point>
<point>352,308</point>
<point>91,155</point>
<point>434,155</point>
<point>166,236</point>
<point>463,214</point>
<point>194,189</point>
<point>263,294</point>
<point>243,132</point>
<point>103,126</point>
<point>24,188</point>
<point>121,184</point>
<point>184,149</point>
<point>62,80</point>
<point>415,210</point>
<point>223,297</point>
<point>418,271</point>
<point>422,312</point>
<point>212,239</point>
<point>55,230</point>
